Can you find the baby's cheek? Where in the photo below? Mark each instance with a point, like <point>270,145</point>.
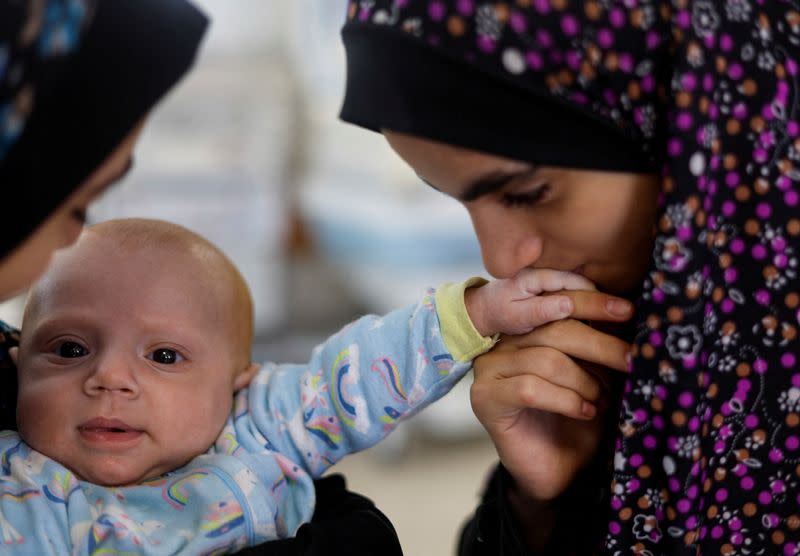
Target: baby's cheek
<point>34,416</point>
<point>211,415</point>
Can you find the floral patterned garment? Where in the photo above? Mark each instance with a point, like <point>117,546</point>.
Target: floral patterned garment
<point>708,454</point>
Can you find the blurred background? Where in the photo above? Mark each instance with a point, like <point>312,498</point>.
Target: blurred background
<point>324,221</point>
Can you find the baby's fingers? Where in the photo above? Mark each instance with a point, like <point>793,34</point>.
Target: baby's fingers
<point>524,315</point>
<point>539,280</point>
<point>522,303</point>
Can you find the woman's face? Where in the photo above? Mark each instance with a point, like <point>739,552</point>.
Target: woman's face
<point>599,224</point>
<point>27,262</point>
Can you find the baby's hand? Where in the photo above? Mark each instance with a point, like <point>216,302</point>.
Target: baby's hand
<point>516,306</point>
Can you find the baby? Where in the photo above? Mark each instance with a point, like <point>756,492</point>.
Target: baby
<point>144,427</point>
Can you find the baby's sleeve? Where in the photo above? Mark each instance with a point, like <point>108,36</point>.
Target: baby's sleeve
<point>361,382</point>
<point>460,336</point>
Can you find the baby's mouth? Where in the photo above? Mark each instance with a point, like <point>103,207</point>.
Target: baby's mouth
<point>105,430</point>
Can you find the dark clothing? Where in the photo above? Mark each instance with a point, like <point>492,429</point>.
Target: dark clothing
<point>344,523</point>
<point>9,337</point>
<point>494,531</point>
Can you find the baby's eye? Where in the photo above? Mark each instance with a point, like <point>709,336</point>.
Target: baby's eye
<point>166,356</point>
<point>71,350</point>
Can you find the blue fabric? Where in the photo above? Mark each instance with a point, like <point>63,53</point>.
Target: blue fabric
<point>256,482</point>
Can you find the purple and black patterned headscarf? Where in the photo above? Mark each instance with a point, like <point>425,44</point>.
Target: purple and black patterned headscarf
<point>76,76</point>
<point>531,84</point>
<point>708,450</point>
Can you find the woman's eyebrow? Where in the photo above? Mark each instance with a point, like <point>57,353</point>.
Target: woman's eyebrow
<point>484,185</point>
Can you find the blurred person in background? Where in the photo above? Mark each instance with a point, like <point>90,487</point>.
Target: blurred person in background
<point>508,107</point>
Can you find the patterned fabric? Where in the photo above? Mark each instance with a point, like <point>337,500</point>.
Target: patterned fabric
<point>708,454</point>
<point>32,32</point>
<point>256,483</point>
<point>602,61</point>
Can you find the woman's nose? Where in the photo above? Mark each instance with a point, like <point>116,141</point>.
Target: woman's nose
<point>112,373</point>
<point>507,245</point>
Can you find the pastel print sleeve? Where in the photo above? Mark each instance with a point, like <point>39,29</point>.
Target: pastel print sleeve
<point>361,382</point>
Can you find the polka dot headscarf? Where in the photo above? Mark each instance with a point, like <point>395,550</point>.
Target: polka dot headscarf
<point>532,83</point>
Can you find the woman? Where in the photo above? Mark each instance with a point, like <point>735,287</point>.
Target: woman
<point>77,80</point>
<point>706,443</point>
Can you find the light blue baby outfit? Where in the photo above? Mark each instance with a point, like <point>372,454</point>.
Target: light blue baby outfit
<point>255,483</point>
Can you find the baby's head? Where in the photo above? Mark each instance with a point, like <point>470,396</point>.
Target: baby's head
<point>132,345</point>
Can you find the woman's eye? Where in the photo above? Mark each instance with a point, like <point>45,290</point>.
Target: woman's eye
<point>71,350</point>
<point>525,199</point>
<point>166,356</point>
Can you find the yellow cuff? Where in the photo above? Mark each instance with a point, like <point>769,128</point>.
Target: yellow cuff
<point>459,334</point>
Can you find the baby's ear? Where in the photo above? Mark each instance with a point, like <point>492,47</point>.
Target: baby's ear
<point>13,352</point>
<point>244,376</point>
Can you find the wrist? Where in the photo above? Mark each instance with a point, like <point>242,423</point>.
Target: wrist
<point>474,300</point>
<point>462,339</point>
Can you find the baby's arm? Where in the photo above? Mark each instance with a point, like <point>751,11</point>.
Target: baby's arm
<point>378,370</point>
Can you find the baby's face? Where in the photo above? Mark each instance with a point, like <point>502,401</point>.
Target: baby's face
<point>599,224</point>
<point>126,364</point>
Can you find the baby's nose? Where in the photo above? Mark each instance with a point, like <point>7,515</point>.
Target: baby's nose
<point>112,375</point>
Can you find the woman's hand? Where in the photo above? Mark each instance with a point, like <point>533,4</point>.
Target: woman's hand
<point>540,395</point>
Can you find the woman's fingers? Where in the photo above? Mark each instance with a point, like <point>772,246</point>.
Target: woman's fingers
<point>545,363</point>
<point>577,340</point>
<point>529,391</point>
<point>594,305</point>
<point>533,378</point>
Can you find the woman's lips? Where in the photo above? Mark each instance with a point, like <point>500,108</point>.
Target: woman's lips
<point>105,431</point>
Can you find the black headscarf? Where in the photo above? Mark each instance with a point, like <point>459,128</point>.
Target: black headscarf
<point>76,76</point>
<point>708,449</point>
<point>504,80</point>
